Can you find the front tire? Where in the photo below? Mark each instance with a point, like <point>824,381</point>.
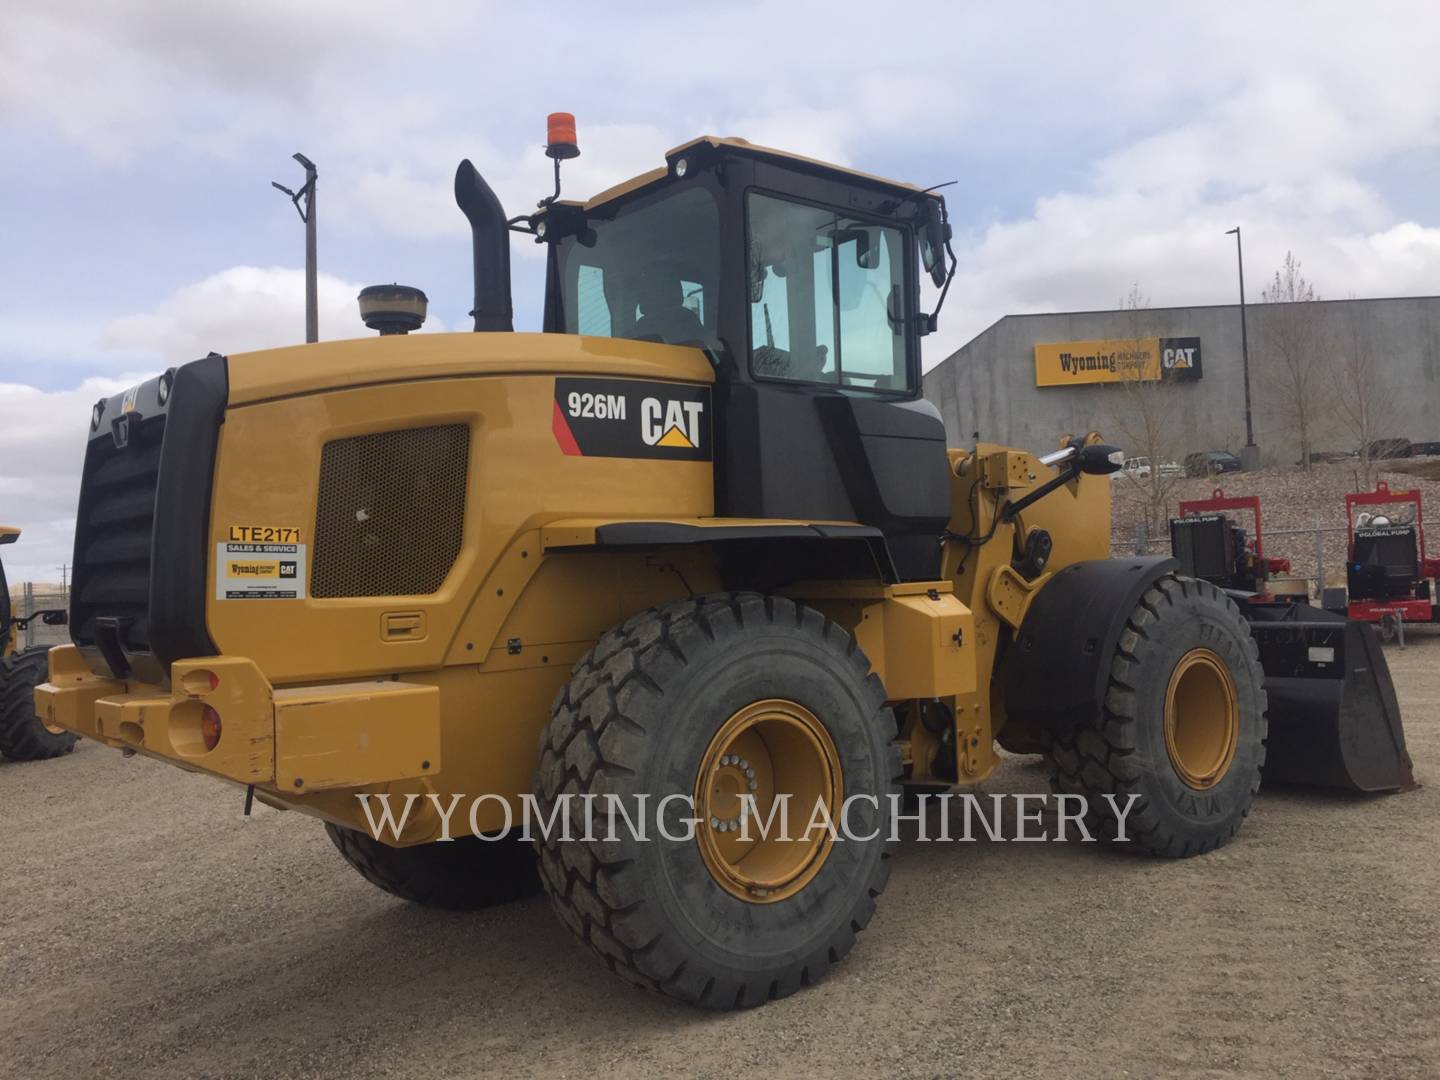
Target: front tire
<point>23,735</point>
<point>704,699</point>
<point>1182,726</point>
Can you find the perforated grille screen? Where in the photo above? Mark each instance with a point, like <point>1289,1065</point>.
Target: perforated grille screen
<point>391,512</point>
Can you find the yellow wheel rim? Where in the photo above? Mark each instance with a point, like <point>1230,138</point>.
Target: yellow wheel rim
<point>1202,719</point>
<point>768,749</point>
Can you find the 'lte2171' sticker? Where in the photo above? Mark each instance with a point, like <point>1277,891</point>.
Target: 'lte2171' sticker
<point>249,571</point>
<point>632,418</point>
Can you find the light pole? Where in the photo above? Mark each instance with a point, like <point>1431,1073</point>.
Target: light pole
<point>1250,455</point>
<point>307,215</point>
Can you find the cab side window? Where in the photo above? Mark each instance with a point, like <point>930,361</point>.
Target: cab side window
<point>592,309</point>
<point>826,297</point>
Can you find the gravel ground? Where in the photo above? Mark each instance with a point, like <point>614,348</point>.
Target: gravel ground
<point>149,930</point>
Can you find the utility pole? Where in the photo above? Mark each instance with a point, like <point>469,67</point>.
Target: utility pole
<point>1250,455</point>
<point>307,215</point>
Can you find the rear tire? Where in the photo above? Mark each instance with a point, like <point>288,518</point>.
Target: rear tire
<point>1193,761</point>
<point>463,874</point>
<point>23,736</point>
<point>645,714</point>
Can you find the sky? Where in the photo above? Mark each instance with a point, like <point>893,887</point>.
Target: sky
<point>1096,146</point>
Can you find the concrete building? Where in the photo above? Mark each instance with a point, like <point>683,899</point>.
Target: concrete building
<point>1029,378</point>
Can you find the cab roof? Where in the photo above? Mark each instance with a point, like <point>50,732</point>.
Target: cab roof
<point>744,147</point>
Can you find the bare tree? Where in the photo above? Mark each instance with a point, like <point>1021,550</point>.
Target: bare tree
<point>1296,365</point>
<point>1361,403</point>
<point>1143,410</point>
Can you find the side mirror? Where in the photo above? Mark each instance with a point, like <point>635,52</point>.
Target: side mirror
<point>933,236</point>
<point>1099,459</point>
<point>867,253</point>
<point>9,536</point>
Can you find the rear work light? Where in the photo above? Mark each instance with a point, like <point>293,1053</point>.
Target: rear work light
<point>200,681</point>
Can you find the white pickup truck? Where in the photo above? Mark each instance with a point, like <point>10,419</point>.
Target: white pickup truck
<point>1138,468</point>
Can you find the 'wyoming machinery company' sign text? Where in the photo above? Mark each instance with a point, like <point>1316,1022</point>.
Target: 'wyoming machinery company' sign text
<point>1070,362</point>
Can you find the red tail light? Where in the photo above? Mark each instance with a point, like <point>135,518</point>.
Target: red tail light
<point>210,727</point>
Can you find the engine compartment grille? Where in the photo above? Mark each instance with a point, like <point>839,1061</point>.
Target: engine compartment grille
<point>390,518</point>
<point>113,528</point>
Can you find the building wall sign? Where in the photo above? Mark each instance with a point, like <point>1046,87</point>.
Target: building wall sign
<point>1066,363</point>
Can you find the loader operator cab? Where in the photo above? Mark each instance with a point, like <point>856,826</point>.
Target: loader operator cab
<point>800,281</point>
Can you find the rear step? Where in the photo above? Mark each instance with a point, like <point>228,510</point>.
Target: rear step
<point>1334,719</point>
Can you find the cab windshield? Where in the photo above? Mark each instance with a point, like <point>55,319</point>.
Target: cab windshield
<point>651,273</point>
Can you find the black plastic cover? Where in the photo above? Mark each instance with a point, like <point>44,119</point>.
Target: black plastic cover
<point>138,595</point>
<point>1057,669</point>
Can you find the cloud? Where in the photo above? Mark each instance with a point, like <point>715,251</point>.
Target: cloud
<point>1096,145</point>
<point>1084,252</point>
<point>1291,149</point>
<point>42,433</point>
<point>122,77</point>
<point>42,445</point>
<point>238,310</point>
<point>417,199</point>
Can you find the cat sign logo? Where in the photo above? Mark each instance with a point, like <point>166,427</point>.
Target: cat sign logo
<point>671,422</point>
<point>631,418</point>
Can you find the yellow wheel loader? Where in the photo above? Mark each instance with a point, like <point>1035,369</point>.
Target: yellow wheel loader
<point>697,552</point>
<point>23,737</point>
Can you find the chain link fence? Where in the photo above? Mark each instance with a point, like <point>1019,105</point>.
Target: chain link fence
<point>29,598</point>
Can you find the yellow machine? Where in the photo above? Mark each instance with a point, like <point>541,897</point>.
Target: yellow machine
<point>22,735</point>
<point>697,549</point>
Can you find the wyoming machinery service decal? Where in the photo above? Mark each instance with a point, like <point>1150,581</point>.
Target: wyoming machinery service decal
<point>1145,359</point>
<point>632,418</point>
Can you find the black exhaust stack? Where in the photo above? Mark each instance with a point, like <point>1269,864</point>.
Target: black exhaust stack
<point>490,234</point>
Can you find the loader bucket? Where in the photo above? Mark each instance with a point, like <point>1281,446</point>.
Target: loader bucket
<point>1334,720</point>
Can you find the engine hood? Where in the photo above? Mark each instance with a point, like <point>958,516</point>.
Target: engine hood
<point>333,365</point>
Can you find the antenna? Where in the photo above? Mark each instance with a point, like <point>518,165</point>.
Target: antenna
<point>307,215</point>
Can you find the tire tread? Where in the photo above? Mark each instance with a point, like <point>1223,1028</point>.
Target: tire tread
<point>466,874</point>
<point>23,737</point>
<point>1090,760</point>
<point>598,898</point>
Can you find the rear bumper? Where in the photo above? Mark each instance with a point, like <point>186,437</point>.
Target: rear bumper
<point>291,740</point>
<point>1420,611</point>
